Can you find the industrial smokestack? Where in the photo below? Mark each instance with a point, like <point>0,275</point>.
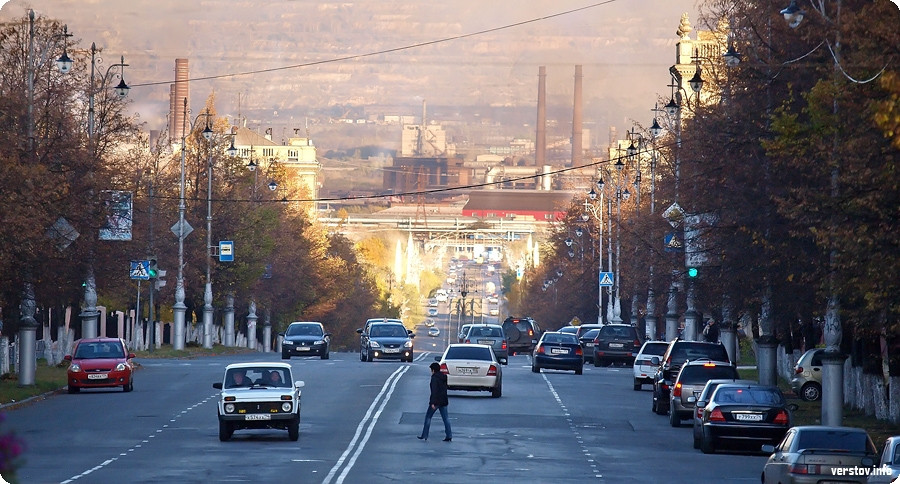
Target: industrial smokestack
<point>577,139</point>
<point>540,143</point>
<point>181,92</point>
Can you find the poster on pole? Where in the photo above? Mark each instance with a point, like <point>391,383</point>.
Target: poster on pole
<point>118,210</point>
<point>698,245</point>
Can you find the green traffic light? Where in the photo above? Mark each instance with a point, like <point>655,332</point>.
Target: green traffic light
<point>692,272</point>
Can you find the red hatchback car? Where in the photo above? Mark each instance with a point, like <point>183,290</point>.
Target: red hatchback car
<point>100,363</point>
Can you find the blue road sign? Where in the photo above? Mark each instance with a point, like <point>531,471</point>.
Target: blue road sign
<point>673,243</point>
<point>140,269</point>
<point>226,251</point>
<point>606,279</point>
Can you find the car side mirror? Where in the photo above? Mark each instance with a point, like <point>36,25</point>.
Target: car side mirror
<point>67,357</point>
<point>131,355</point>
<point>281,334</point>
<point>327,335</point>
<point>692,399</point>
<point>217,385</point>
<point>654,360</point>
<point>437,358</point>
<point>867,462</point>
<point>359,330</point>
<point>768,448</point>
<point>793,407</point>
<point>700,403</point>
<point>299,384</point>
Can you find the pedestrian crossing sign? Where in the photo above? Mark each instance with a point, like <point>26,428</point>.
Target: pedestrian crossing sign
<point>606,279</point>
<point>140,269</point>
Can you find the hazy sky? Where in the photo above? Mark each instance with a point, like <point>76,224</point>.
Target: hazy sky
<point>625,46</point>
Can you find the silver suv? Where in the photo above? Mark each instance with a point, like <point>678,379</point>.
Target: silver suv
<point>692,378</point>
<point>259,395</point>
<point>491,335</point>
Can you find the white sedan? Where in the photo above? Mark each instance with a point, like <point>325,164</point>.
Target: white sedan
<point>472,367</point>
<point>434,331</point>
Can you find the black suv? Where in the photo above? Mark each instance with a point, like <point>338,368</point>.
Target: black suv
<point>676,355</point>
<point>522,334</point>
<point>616,342</point>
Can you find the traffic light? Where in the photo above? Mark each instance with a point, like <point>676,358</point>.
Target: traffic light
<point>159,282</point>
<point>152,270</point>
<point>692,272</point>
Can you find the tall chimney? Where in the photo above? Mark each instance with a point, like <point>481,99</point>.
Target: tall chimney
<point>182,92</point>
<point>540,143</point>
<point>577,139</point>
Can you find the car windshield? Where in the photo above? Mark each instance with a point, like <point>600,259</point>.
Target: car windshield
<point>693,351</point>
<point>560,338</point>
<point>304,330</point>
<point>99,350</point>
<point>591,334</point>
<point>748,396</point>
<point>695,374</point>
<point>388,331</point>
<point>484,332</point>
<point>616,332</point>
<point>265,376</point>
<point>655,349</point>
<point>833,440</point>
<point>468,353</point>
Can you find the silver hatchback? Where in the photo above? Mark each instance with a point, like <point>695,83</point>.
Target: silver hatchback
<point>491,335</point>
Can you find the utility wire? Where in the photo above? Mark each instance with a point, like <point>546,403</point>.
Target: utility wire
<point>381,52</point>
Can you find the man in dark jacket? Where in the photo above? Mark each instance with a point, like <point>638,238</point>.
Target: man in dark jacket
<point>438,401</point>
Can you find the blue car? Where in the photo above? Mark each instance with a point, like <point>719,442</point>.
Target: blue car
<point>558,351</point>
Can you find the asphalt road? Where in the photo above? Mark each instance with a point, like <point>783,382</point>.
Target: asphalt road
<point>359,422</point>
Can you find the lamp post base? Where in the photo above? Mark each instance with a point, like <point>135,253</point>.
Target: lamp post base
<point>833,388</point>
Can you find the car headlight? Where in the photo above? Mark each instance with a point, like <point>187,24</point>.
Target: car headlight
<point>120,367</point>
<point>287,342</point>
<point>374,344</point>
<point>229,408</point>
<point>75,368</point>
<point>319,342</point>
<point>408,344</point>
<point>286,407</point>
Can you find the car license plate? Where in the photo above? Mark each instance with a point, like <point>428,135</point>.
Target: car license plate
<point>616,345</point>
<point>485,342</point>
<point>303,348</point>
<point>97,376</point>
<point>589,345</point>
<point>463,370</point>
<point>559,351</point>
<point>261,416</point>
<point>392,350</point>
<point>748,417</point>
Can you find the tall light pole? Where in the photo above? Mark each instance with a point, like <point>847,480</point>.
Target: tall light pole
<point>207,292</point>
<point>597,212</point>
<point>650,314</point>
<point>179,307</point>
<point>27,366</point>
<point>90,314</point>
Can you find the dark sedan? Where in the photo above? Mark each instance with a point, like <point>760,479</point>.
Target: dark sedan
<point>305,339</point>
<point>748,415</point>
<point>557,351</point>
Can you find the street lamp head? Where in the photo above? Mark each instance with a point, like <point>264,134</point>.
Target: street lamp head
<point>600,183</point>
<point>672,107</point>
<point>251,166</point>
<point>64,63</point>
<point>559,273</point>
<point>592,194</point>
<point>578,232</point>
<point>696,82</point>
<point>732,57</point>
<point>619,165</point>
<point>122,88</point>
<point>571,254</point>
<point>631,150</point>
<point>585,217</point>
<point>626,194</point>
<point>793,14</point>
<point>208,132</point>
<point>273,186</point>
<point>569,242</point>
<point>655,129</point>
<point>231,151</point>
